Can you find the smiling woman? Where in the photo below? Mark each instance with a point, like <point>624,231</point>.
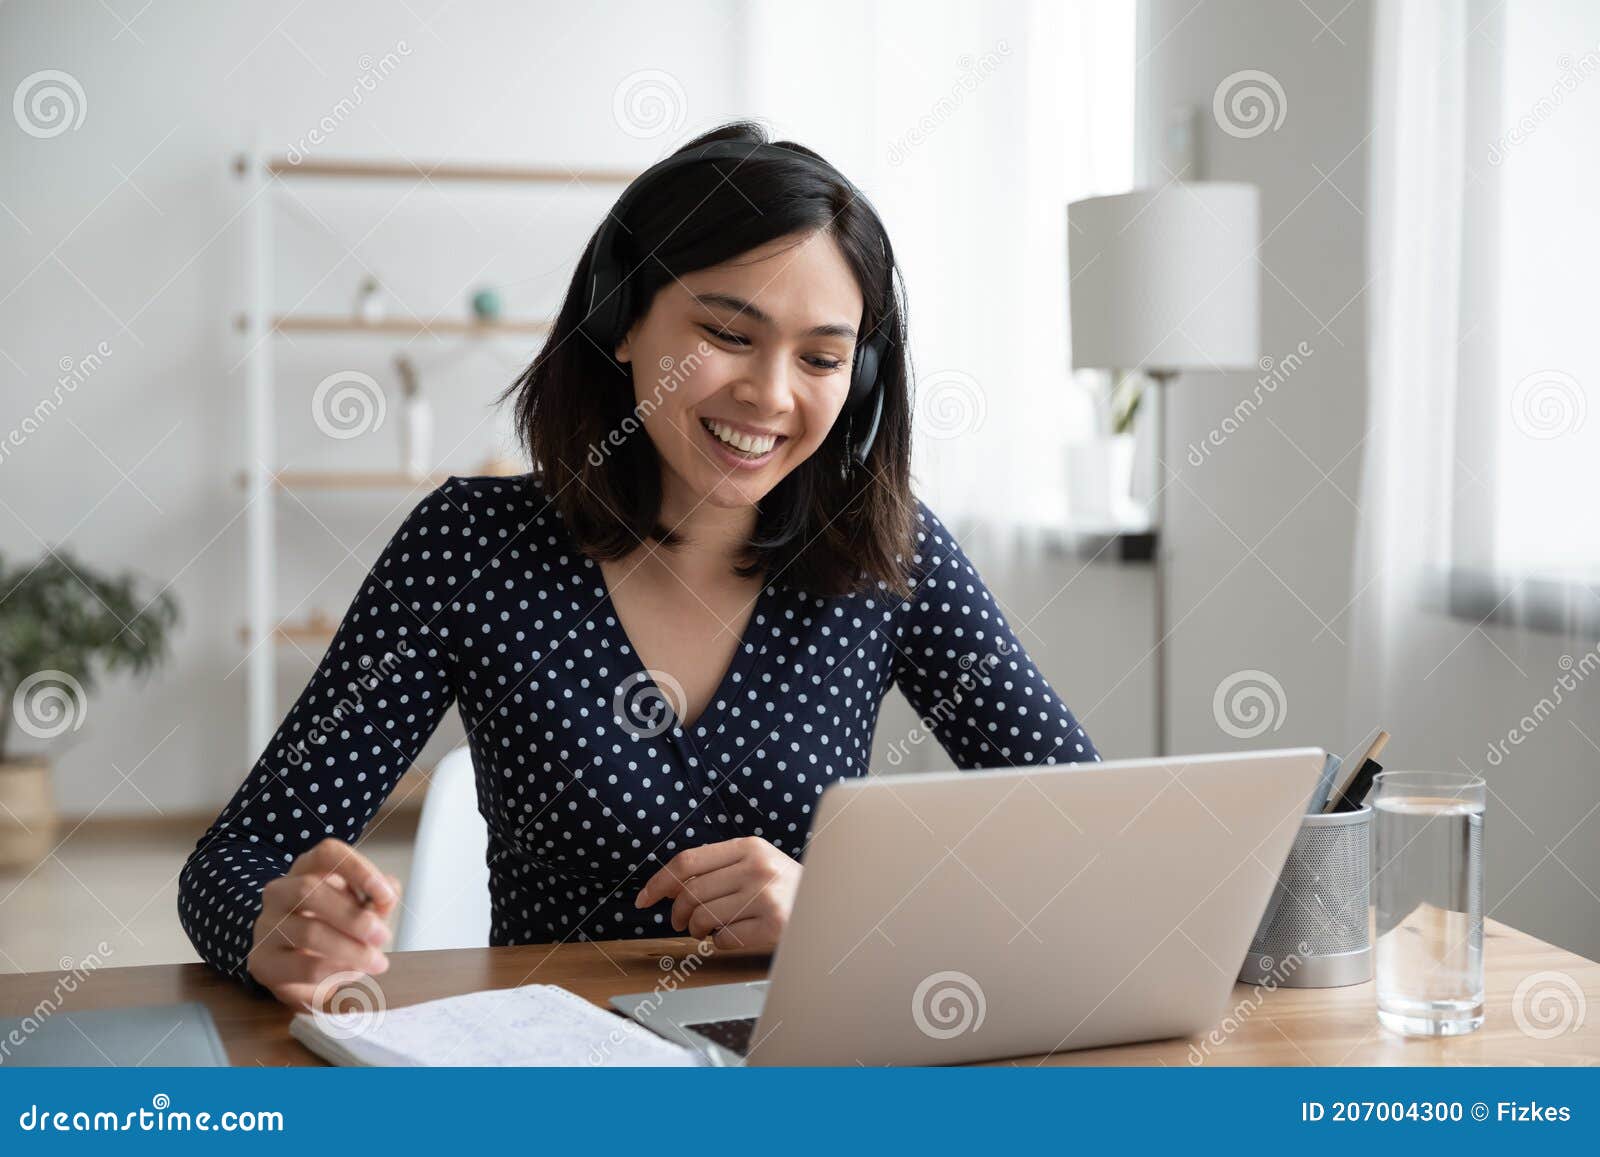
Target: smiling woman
<point>750,285</point>
<point>674,633</point>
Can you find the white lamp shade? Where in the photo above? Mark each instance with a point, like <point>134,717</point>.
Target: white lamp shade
<point>1166,279</point>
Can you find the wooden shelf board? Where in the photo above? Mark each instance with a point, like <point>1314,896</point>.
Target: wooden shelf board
<point>441,326</point>
<point>404,170</point>
<point>354,480</point>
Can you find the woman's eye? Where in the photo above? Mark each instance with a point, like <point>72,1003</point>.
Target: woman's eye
<point>724,335</point>
<point>825,363</point>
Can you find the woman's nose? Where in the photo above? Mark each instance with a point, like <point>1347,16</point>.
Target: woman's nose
<point>768,386</point>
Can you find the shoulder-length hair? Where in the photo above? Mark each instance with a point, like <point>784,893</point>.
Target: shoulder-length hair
<point>820,530</point>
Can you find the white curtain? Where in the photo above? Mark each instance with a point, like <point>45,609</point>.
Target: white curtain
<point>1414,237</point>
<point>970,127</point>
<point>1476,360</point>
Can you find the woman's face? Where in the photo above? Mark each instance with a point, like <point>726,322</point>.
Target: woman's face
<point>739,370</point>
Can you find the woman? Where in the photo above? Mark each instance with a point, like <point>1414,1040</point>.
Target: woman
<point>668,639</point>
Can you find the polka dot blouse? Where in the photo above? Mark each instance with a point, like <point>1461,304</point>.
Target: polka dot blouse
<point>586,779</point>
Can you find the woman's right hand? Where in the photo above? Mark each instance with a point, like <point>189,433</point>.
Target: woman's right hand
<point>313,924</point>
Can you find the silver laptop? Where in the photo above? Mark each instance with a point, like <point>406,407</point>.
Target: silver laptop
<point>963,916</point>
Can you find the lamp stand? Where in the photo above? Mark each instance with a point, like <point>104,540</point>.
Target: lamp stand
<point>1160,380</point>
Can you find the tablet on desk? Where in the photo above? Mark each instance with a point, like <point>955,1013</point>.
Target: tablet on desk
<point>149,1035</point>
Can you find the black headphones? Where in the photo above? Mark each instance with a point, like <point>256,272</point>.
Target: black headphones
<point>609,298</point>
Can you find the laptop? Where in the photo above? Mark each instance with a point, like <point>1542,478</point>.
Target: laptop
<point>960,916</point>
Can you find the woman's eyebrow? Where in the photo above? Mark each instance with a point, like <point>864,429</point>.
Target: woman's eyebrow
<point>757,314</point>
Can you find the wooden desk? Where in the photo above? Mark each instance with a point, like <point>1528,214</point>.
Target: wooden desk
<point>1285,1026</point>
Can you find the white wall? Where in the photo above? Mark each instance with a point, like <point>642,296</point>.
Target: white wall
<point>129,230</point>
<point>1263,531</point>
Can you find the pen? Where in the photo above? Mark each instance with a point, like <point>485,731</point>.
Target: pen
<point>1330,771</point>
<point>1351,793</point>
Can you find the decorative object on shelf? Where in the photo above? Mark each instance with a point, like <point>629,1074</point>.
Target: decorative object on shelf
<point>370,308</point>
<point>1165,280</point>
<point>1100,469</point>
<point>58,620</point>
<point>416,425</point>
<point>486,305</point>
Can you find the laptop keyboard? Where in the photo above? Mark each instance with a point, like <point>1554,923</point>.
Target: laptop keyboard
<point>733,1035</point>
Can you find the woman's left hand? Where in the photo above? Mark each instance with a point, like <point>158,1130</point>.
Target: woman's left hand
<point>738,892</point>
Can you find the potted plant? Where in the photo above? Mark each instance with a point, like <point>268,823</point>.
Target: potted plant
<point>1100,470</point>
<point>59,622</point>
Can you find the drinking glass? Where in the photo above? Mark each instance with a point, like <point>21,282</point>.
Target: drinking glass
<point>1428,953</point>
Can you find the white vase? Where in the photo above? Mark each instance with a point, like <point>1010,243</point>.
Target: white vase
<point>1100,481</point>
<point>416,431</point>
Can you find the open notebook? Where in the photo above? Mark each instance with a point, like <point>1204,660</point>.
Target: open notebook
<point>536,1024</point>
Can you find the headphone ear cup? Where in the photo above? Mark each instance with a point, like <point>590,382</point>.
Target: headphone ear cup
<point>862,448</point>
<point>607,308</point>
<point>864,373</point>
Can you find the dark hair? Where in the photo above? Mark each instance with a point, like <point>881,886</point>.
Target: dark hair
<point>818,529</point>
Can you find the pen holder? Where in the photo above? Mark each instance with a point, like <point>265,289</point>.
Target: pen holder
<point>1315,930</point>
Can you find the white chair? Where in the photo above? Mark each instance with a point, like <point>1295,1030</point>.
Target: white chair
<point>446,902</point>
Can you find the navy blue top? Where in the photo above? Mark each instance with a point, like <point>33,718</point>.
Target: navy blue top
<point>586,779</point>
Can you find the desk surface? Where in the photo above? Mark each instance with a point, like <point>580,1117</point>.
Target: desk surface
<point>1284,1026</point>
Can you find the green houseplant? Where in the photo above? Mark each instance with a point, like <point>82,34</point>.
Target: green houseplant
<point>61,624</point>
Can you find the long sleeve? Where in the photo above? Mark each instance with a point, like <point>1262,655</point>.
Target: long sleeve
<point>372,703</point>
<point>966,674</point>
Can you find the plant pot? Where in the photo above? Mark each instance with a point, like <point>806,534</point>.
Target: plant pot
<point>1100,480</point>
<point>27,813</point>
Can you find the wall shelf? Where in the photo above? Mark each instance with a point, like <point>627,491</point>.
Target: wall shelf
<point>267,478</point>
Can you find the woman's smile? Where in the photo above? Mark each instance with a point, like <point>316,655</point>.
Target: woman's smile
<point>740,446</point>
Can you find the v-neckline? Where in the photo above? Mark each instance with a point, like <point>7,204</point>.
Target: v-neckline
<point>642,681</point>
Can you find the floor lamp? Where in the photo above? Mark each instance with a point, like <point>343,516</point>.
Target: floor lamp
<point>1165,281</point>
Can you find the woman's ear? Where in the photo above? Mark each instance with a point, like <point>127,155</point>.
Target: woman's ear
<point>622,353</point>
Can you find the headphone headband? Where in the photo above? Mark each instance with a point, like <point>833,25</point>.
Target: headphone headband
<point>608,305</point>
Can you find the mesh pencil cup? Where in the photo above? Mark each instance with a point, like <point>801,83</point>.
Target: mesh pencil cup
<point>1315,930</point>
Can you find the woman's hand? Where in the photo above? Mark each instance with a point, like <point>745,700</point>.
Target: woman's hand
<point>313,924</point>
<point>738,892</point>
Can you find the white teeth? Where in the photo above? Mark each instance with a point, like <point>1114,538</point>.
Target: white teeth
<point>754,445</point>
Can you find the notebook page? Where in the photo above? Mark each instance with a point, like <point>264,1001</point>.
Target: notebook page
<point>536,1024</point>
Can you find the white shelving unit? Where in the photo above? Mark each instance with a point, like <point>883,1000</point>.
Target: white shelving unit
<point>264,480</point>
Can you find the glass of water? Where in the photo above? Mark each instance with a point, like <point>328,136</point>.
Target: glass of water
<point>1429,887</point>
